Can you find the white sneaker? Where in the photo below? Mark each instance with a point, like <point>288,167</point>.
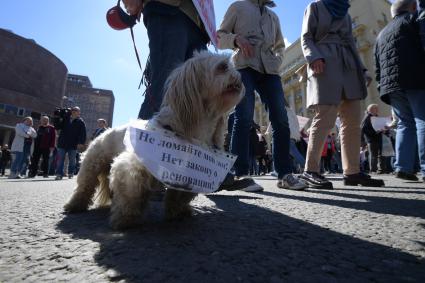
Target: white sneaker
<point>291,183</point>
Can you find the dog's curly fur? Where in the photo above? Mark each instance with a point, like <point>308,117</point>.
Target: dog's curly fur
<point>199,94</point>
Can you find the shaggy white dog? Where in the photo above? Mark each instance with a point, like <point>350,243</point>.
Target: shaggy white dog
<point>199,94</point>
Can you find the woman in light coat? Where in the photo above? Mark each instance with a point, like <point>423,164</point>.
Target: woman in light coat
<point>336,83</point>
<point>23,131</point>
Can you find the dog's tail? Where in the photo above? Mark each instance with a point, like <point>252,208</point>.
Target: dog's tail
<point>104,194</point>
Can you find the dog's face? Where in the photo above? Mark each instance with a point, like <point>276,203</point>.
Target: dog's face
<point>207,85</point>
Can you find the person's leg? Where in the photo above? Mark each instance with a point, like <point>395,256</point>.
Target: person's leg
<point>60,163</point>
<point>72,155</point>
<point>172,39</point>
<point>271,92</point>
<point>323,121</point>
<point>406,133</point>
<point>244,113</point>
<point>417,102</point>
<point>16,161</point>
<point>350,111</point>
<point>34,162</point>
<point>45,163</point>
<point>295,153</point>
<point>373,156</point>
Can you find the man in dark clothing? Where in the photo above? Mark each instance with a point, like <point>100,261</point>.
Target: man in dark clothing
<point>400,61</point>
<point>6,157</point>
<point>71,138</point>
<point>373,140</point>
<point>102,126</point>
<point>175,31</point>
<point>44,144</point>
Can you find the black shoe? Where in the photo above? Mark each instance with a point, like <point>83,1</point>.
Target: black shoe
<point>363,180</point>
<point>406,176</point>
<point>232,183</point>
<point>316,181</point>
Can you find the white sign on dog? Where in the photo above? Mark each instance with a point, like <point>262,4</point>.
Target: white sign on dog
<point>177,163</point>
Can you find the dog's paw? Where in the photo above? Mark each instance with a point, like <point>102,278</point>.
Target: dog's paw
<point>73,207</point>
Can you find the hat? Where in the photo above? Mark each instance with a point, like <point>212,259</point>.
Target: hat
<point>76,108</point>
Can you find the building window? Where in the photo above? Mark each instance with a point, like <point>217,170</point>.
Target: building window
<point>21,112</point>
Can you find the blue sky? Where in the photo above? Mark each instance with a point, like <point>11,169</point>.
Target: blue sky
<point>77,33</point>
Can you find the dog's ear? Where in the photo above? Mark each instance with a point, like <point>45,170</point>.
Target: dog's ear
<point>183,95</point>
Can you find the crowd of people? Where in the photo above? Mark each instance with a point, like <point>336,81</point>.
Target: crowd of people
<point>57,147</point>
<point>337,83</point>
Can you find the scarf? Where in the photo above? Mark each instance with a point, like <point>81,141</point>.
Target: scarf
<point>337,8</point>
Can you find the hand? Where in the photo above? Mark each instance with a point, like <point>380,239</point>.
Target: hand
<point>244,45</point>
<point>368,78</point>
<point>318,66</point>
<point>133,7</point>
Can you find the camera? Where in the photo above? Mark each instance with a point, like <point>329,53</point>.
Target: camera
<point>60,116</point>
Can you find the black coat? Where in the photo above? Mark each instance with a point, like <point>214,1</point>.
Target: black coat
<point>400,58</point>
<point>73,133</point>
<point>368,132</point>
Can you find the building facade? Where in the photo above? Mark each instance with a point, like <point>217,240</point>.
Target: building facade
<point>369,18</point>
<point>94,103</point>
<point>32,82</point>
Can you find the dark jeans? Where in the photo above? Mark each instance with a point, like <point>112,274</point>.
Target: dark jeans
<point>270,89</point>
<point>3,165</point>
<point>173,38</point>
<point>375,157</point>
<point>40,152</point>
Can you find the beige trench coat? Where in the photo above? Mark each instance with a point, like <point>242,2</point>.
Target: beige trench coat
<point>262,30</point>
<point>332,41</point>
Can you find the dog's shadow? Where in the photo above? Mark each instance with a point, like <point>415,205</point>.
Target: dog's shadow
<point>236,240</point>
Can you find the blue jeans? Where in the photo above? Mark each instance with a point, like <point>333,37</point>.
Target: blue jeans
<point>295,153</point>
<point>270,89</point>
<point>16,166</point>
<point>173,38</point>
<point>25,159</point>
<point>61,160</point>
<point>409,108</point>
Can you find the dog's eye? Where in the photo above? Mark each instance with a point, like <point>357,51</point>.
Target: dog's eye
<point>222,68</point>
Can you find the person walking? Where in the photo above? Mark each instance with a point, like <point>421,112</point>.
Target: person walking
<point>336,84</point>
<point>72,137</point>
<point>175,31</point>
<point>373,140</point>
<point>6,157</point>
<point>44,145</point>
<point>253,31</point>
<point>23,131</point>
<point>400,62</point>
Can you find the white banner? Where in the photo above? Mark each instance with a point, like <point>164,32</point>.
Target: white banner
<point>177,163</point>
<point>205,9</point>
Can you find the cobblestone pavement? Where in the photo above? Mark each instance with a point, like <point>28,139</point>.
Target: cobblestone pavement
<point>350,234</point>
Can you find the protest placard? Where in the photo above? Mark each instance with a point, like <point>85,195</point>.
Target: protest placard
<point>205,9</point>
<point>177,163</point>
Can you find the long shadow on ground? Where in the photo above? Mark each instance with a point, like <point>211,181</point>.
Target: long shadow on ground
<point>239,242</point>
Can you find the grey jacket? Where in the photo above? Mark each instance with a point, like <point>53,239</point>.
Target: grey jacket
<point>333,41</point>
<point>261,27</point>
